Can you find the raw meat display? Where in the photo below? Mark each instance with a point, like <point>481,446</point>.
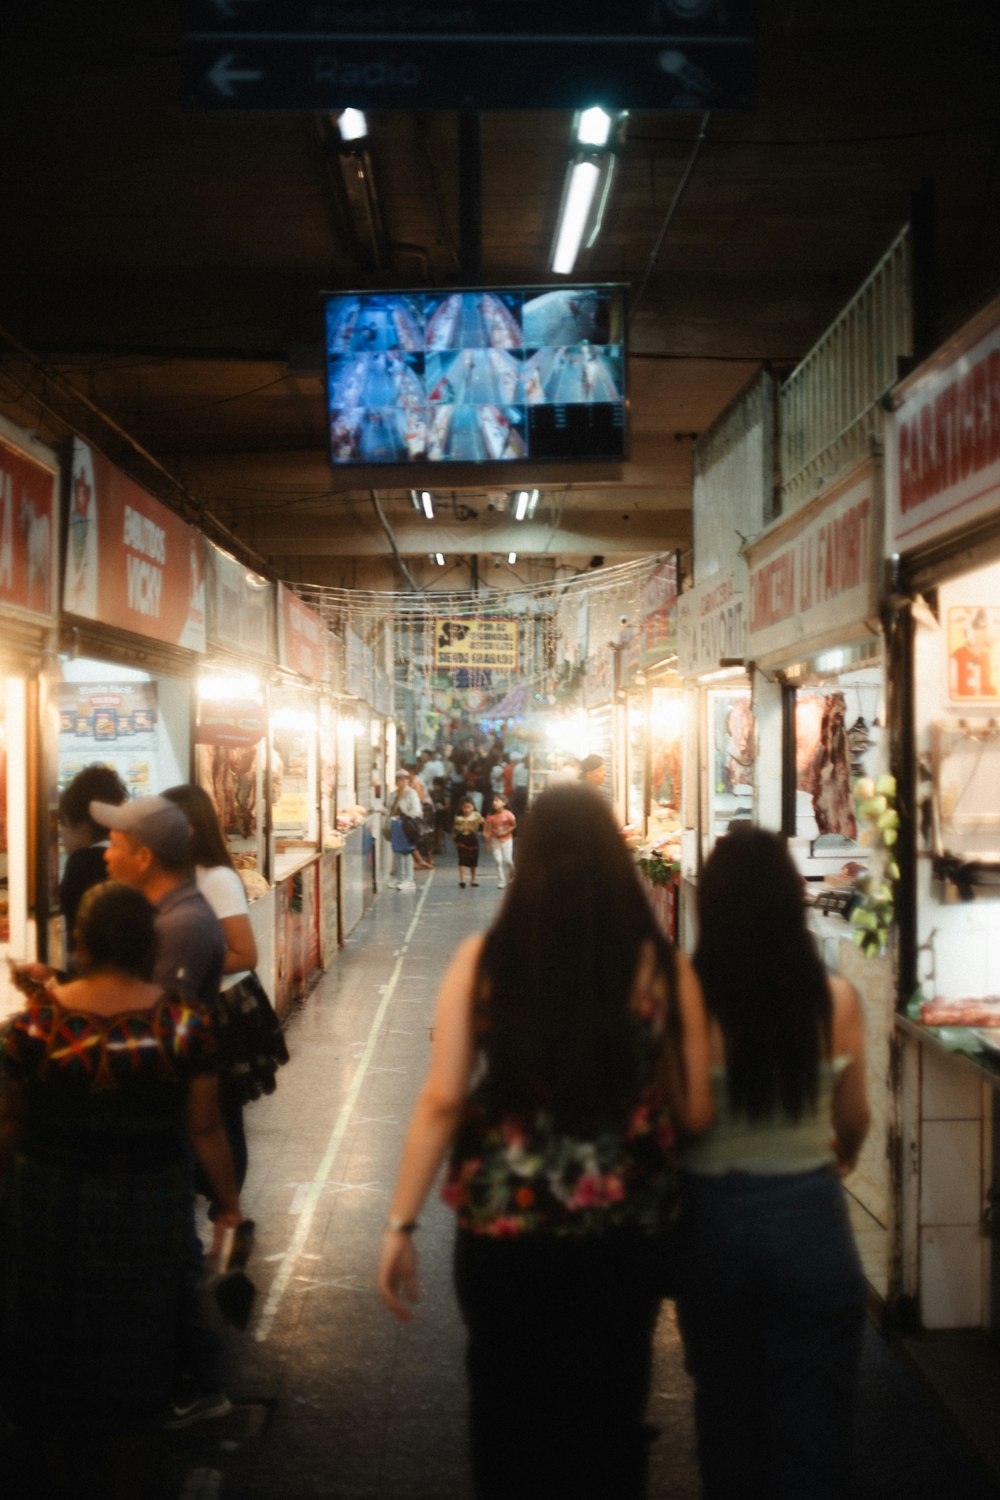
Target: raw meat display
<point>828,777</point>
<point>940,1012</point>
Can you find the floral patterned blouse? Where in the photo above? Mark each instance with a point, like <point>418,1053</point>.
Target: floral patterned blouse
<point>521,1176</point>
<point>103,1089</point>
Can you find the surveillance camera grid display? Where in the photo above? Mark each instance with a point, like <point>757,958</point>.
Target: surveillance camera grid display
<point>476,376</point>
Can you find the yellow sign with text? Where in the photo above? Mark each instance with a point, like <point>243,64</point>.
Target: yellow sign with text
<point>483,644</point>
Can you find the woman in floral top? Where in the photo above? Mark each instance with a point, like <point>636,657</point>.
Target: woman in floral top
<point>102,1078</point>
<point>570,1045</point>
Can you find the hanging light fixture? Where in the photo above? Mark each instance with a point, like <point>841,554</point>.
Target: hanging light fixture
<point>587,184</point>
<point>352,125</point>
<point>525,503</point>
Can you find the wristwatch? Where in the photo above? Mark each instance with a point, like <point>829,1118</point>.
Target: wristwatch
<point>401,1226</point>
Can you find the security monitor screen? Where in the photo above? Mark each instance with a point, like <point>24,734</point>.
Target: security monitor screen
<point>476,376</point>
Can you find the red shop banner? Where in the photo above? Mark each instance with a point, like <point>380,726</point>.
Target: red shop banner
<point>302,637</point>
<point>27,532</point>
<point>130,562</point>
<point>239,723</point>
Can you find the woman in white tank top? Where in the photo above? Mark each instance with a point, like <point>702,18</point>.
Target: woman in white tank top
<point>772,1296</point>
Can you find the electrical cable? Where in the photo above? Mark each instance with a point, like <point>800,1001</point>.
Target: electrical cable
<point>376,502</point>
<point>672,209</point>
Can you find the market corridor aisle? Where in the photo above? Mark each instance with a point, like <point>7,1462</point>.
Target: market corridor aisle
<point>335,1399</point>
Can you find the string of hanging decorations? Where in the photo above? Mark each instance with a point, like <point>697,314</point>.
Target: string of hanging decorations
<point>337,605</point>
<point>499,657</point>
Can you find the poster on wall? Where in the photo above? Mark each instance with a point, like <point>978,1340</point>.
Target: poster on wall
<point>240,606</point>
<point>130,562</point>
<point>27,532</point>
<point>303,637</point>
<point>115,724</point>
<point>974,654</point>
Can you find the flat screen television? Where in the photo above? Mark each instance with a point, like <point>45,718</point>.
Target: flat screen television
<point>476,375</point>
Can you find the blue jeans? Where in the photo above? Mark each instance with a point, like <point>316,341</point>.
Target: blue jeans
<point>771,1309</point>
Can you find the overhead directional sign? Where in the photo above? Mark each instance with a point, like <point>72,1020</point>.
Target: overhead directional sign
<point>481,54</point>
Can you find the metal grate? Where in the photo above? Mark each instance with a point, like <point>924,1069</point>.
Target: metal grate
<point>830,402</point>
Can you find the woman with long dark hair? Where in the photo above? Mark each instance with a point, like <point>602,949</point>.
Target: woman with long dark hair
<point>569,1049</point>
<point>772,1297</point>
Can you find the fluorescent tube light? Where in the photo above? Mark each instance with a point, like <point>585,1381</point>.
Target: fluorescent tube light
<point>577,198</point>
<point>439,559</point>
<point>512,558</point>
<point>352,125</point>
<point>427,503</point>
<point>521,510</point>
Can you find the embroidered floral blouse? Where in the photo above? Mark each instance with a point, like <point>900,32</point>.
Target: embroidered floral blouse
<point>522,1176</point>
<point>102,1090</point>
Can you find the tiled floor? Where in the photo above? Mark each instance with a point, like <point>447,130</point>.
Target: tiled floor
<point>335,1399</point>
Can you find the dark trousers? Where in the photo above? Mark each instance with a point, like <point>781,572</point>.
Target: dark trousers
<point>558,1361</point>
<point>771,1309</point>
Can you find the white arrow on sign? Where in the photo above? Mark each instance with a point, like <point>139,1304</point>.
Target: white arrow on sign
<point>224,75</point>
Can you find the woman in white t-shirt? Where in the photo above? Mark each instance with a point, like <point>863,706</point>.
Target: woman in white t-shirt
<point>407,804</point>
<point>220,883</point>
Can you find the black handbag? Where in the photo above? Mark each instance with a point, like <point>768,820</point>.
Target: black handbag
<point>251,1042</point>
<point>413,828</point>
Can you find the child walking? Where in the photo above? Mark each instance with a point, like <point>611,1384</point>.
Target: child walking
<point>465,828</point>
<point>500,827</point>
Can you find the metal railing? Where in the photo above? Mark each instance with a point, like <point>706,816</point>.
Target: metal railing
<point>830,403</point>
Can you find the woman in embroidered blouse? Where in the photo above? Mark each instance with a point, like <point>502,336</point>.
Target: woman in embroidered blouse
<point>772,1297</point>
<point>569,1046</point>
<point>100,1077</point>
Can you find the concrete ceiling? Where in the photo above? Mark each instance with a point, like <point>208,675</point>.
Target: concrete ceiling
<point>161,267</point>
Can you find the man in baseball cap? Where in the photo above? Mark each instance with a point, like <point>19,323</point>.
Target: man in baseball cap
<point>153,823</point>
<point>150,848</point>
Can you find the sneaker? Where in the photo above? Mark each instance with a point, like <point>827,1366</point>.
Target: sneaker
<point>407,885</point>
<point>198,1409</point>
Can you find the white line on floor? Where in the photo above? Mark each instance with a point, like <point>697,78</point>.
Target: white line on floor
<point>311,1199</point>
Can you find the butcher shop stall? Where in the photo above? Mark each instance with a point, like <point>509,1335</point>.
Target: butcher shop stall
<point>943,539</point>
<point>231,730</point>
<point>815,646</point>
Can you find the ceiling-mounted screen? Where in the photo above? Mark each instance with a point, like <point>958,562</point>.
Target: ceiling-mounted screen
<point>478,375</point>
